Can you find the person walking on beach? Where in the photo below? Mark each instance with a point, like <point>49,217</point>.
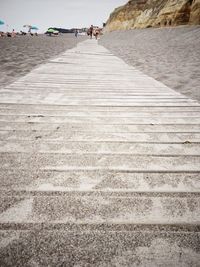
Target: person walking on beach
<point>96,32</point>
<point>76,33</point>
<point>13,33</point>
<point>91,31</point>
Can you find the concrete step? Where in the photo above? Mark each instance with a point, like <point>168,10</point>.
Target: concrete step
<point>100,128</point>
<point>137,96</point>
<point>55,99</point>
<point>74,90</point>
<point>96,86</point>
<point>46,107</point>
<point>86,245</point>
<point>73,136</point>
<point>103,180</point>
<point>98,207</point>
<point>104,120</point>
<point>60,147</point>
<point>99,161</point>
<point>97,114</point>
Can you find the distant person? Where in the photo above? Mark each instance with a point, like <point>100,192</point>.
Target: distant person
<point>76,33</point>
<point>96,32</point>
<point>22,33</point>
<point>91,31</point>
<point>13,33</point>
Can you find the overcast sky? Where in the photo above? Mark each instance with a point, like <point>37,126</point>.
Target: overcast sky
<point>55,13</point>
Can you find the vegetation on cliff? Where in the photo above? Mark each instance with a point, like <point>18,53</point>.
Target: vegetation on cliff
<point>154,13</point>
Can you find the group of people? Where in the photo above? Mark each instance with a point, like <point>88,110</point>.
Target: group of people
<point>8,34</point>
<point>93,31</point>
<point>14,34</point>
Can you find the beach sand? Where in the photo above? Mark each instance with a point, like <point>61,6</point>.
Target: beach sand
<point>170,55</point>
<point>21,54</point>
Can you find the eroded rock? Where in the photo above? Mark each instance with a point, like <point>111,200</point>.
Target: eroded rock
<point>151,13</point>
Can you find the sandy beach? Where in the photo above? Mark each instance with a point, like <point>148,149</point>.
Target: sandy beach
<point>21,54</point>
<point>170,55</point>
<point>99,164</point>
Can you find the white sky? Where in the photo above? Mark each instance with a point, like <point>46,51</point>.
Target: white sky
<point>55,13</point>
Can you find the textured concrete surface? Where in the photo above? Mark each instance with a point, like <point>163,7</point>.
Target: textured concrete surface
<point>99,166</point>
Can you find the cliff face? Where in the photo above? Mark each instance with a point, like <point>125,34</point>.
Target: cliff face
<point>195,13</point>
<point>154,13</point>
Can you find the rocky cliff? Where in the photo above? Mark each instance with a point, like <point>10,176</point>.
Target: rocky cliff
<point>154,13</point>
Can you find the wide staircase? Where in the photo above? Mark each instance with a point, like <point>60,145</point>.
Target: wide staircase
<point>100,166</point>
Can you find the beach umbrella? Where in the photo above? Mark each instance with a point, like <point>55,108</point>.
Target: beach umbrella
<point>51,30</point>
<point>34,28</point>
<point>1,22</point>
